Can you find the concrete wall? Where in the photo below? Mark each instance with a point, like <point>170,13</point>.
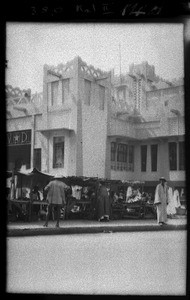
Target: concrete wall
<point>63,114</point>
<point>162,162</point>
<point>94,132</point>
<point>121,127</point>
<point>119,175</point>
<point>22,123</point>
<point>71,170</point>
<point>177,175</point>
<point>164,99</point>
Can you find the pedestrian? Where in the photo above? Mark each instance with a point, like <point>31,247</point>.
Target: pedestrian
<point>171,210</point>
<point>103,203</point>
<point>55,197</point>
<point>161,200</point>
<point>176,199</point>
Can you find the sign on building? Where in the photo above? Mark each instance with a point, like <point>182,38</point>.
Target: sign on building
<point>21,137</point>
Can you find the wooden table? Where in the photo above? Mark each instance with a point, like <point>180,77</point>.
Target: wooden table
<point>29,205</point>
<point>85,206</point>
<point>139,209</point>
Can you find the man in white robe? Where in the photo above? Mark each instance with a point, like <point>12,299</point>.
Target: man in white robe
<point>176,198</point>
<point>161,199</point>
<point>171,210</point>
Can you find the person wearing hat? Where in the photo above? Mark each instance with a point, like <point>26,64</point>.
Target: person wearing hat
<point>161,199</point>
<point>55,197</point>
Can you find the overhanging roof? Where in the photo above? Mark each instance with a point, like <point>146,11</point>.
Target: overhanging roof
<point>46,130</point>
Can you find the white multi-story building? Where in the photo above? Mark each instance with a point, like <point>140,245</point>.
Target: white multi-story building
<point>91,123</point>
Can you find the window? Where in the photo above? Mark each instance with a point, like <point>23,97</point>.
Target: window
<point>122,157</point>
<point>143,158</point>
<point>131,158</point>
<point>113,151</point>
<point>122,153</point>
<point>58,152</point>
<point>87,86</point>
<point>37,159</point>
<point>54,92</point>
<point>101,96</point>
<point>154,154</point>
<point>65,89</point>
<point>181,156</point>
<point>173,156</point>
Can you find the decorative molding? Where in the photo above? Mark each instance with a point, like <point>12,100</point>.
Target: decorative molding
<point>16,96</point>
<point>60,69</point>
<point>16,92</point>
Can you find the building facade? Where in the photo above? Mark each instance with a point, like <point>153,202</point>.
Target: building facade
<point>92,123</point>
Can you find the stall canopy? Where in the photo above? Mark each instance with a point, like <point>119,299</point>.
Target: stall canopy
<point>32,179</point>
<point>36,177</point>
<point>80,181</point>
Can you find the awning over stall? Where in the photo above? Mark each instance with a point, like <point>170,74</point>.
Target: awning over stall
<point>33,178</point>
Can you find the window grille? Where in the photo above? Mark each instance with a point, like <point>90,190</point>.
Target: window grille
<point>173,156</point>
<point>37,159</point>
<point>143,158</point>
<point>58,152</point>
<point>113,151</point>
<point>54,92</point>
<point>154,154</point>
<point>181,156</point>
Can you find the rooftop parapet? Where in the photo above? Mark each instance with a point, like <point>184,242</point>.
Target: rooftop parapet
<point>91,72</point>
<point>16,96</point>
<point>61,69</point>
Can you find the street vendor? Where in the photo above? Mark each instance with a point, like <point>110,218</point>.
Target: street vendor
<point>35,195</point>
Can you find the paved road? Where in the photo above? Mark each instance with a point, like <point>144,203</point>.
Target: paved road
<point>141,263</point>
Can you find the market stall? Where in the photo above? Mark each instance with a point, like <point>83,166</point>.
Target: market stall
<point>26,197</point>
<point>81,197</point>
<point>28,200</point>
<point>131,200</point>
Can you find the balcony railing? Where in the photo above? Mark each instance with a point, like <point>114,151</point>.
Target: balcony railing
<point>122,166</point>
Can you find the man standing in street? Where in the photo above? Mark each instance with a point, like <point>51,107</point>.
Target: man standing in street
<point>103,203</point>
<point>55,197</point>
<point>161,199</point>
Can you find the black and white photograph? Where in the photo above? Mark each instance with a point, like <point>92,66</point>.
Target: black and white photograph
<point>95,178</point>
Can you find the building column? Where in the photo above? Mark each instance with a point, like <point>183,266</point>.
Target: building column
<point>45,97</point>
<point>108,142</point>
<point>108,159</point>
<point>32,141</point>
<point>79,135</point>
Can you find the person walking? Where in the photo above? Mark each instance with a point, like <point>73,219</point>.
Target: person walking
<point>55,197</point>
<point>103,203</point>
<point>161,199</point>
<point>176,198</point>
<point>171,210</point>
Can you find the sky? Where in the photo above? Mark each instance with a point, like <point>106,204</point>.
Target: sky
<point>31,45</point>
